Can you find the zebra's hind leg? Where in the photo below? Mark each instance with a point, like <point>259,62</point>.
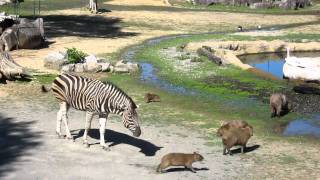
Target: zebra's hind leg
<point>89,116</point>
<point>102,122</point>
<point>64,107</point>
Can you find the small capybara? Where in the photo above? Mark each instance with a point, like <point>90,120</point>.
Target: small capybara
<point>150,97</point>
<point>179,159</point>
<point>235,133</point>
<point>278,103</point>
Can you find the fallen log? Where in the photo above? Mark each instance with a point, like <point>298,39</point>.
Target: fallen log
<point>9,69</point>
<point>208,52</point>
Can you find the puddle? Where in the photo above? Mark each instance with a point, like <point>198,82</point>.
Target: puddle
<point>303,127</point>
<point>272,62</point>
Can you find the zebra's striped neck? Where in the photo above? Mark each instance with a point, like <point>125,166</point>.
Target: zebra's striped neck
<point>116,100</point>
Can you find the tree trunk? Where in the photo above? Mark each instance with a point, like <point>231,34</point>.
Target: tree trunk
<point>9,69</point>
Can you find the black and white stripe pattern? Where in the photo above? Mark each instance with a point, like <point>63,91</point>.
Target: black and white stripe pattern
<point>94,97</point>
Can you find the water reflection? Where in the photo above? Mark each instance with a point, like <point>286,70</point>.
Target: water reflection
<point>272,62</point>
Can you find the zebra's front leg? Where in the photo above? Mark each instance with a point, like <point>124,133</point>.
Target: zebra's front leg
<point>59,121</point>
<point>89,116</point>
<point>64,107</point>
<point>102,122</point>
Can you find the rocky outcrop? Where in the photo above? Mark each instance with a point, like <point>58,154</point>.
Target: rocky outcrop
<point>58,61</point>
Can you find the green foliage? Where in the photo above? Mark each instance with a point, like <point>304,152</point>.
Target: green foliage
<point>75,56</point>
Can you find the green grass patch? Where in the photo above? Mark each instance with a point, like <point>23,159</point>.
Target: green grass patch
<point>245,9</point>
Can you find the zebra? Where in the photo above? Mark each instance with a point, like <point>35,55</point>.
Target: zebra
<point>96,98</point>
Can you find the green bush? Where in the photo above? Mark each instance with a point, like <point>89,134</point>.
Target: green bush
<point>75,56</point>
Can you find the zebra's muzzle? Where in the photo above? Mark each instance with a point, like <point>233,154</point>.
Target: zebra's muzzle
<point>137,132</point>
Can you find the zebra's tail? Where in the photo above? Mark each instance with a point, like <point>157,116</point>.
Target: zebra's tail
<point>45,89</point>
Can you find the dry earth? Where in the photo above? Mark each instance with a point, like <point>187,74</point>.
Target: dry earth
<point>31,150</point>
<point>136,25</point>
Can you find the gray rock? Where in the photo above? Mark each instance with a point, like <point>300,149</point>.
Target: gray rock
<point>55,60</point>
<point>105,66</point>
<point>133,67</point>
<point>68,68</point>
<point>91,59</point>
<point>79,67</point>
<point>92,67</point>
<point>121,69</point>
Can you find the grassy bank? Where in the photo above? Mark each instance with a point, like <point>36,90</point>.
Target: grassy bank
<point>315,9</point>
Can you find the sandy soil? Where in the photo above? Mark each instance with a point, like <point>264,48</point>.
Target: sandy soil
<point>30,148</point>
<point>147,23</point>
<point>34,152</point>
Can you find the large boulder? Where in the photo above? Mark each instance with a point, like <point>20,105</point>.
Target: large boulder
<point>28,35</point>
<point>55,60</point>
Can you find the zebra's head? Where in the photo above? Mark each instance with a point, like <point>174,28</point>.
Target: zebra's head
<point>130,119</point>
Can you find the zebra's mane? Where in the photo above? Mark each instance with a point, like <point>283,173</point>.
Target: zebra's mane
<point>121,91</point>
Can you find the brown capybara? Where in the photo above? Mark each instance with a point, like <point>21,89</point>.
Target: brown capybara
<point>179,159</point>
<point>278,103</point>
<point>150,97</point>
<point>232,136</point>
<point>237,124</point>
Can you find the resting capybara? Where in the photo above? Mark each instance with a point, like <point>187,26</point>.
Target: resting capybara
<point>149,97</point>
<point>278,102</point>
<point>179,159</point>
<point>233,135</point>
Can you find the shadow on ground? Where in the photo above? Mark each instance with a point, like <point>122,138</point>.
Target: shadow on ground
<point>185,169</point>
<point>84,26</point>
<point>16,138</point>
<point>248,149</point>
<point>146,147</point>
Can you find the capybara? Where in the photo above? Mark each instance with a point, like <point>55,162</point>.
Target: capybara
<point>179,159</point>
<point>278,103</point>
<point>237,124</point>
<point>150,97</point>
<point>233,136</point>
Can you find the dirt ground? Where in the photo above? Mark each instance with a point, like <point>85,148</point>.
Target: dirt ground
<point>31,150</point>
<point>125,26</point>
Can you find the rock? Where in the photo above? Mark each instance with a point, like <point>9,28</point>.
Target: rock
<point>133,67</point>
<point>55,60</point>
<point>9,39</point>
<point>91,59</point>
<point>79,67</point>
<point>30,35</point>
<point>120,63</point>
<point>104,66</point>
<point>121,69</point>
<point>92,67</point>
<point>68,68</point>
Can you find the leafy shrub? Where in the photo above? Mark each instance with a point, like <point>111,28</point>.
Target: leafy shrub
<point>75,56</point>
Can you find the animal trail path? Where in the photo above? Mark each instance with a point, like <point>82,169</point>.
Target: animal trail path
<point>129,158</point>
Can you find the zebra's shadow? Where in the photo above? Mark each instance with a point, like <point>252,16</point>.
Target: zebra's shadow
<point>146,147</point>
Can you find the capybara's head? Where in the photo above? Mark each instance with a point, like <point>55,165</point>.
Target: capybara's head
<point>222,129</point>
<point>197,156</point>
